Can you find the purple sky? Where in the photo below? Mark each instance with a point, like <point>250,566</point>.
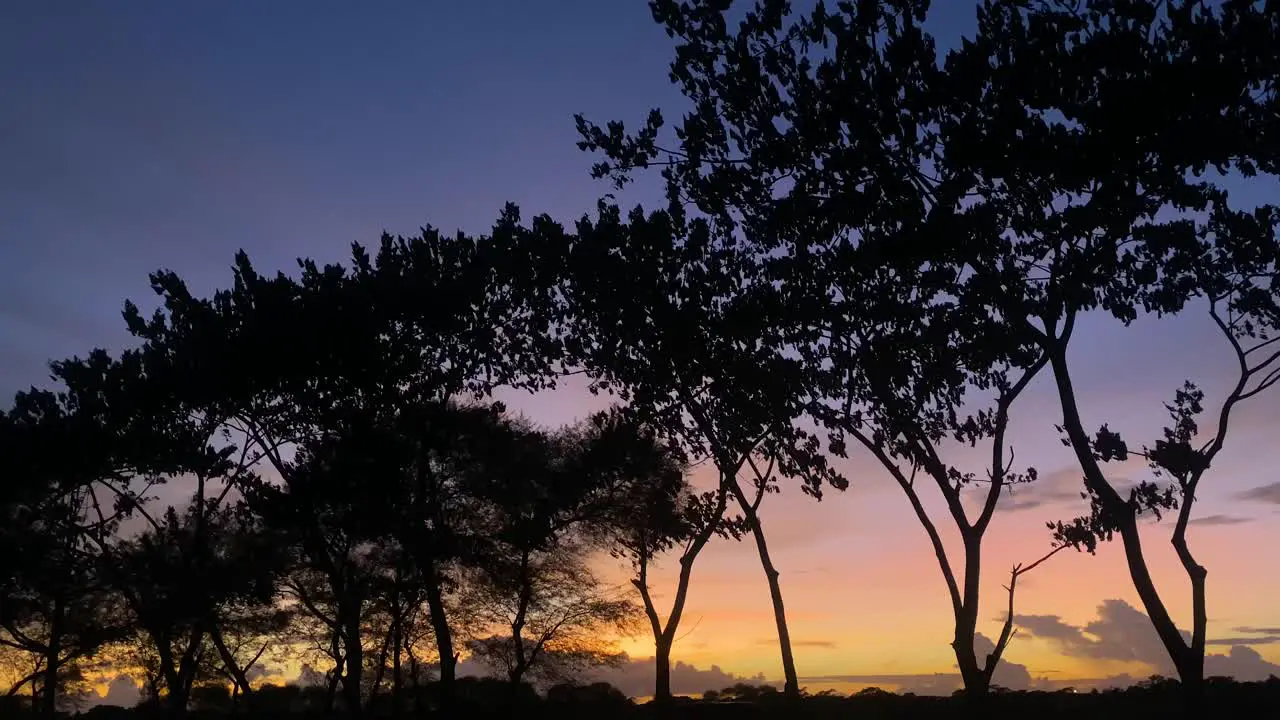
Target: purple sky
<point>147,134</point>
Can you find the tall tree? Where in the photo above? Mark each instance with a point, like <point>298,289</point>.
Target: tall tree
<point>1239,279</point>
<point>667,514</point>
<point>666,313</point>
<point>553,619</point>
<point>810,139</point>
<point>1042,169</point>
<point>552,615</point>
<point>1136,223</point>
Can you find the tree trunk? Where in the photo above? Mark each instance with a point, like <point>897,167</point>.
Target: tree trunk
<point>397,631</point>
<point>976,674</point>
<point>792,683</point>
<point>49,693</point>
<point>331,685</point>
<point>976,681</point>
<point>1190,669</point>
<point>238,675</point>
<point>662,670</point>
<point>354,663</point>
<point>444,642</point>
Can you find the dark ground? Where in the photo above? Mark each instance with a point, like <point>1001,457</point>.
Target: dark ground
<point>1223,699</point>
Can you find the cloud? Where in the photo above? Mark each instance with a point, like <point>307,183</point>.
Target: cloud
<point>1242,641</point>
<point>1242,663</point>
<point>821,644</point>
<point>1050,627</point>
<point>1060,487</point>
<point>1266,636</point>
<point>1269,494</point>
<point>1008,674</point>
<point>260,671</point>
<point>635,678</point>
<point>308,676</point>
<point>1121,632</point>
<point>1220,520</point>
<point>922,684</point>
<point>122,691</point>
<point>825,644</point>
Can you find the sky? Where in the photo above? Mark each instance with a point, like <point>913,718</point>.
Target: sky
<point>145,135</point>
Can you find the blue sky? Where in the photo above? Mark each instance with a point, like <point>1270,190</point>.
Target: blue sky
<point>146,134</point>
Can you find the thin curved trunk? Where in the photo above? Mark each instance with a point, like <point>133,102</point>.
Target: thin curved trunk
<point>792,682</point>
<point>1190,669</point>
<point>1193,673</point>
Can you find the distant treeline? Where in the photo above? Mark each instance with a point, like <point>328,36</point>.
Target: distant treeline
<point>490,698</point>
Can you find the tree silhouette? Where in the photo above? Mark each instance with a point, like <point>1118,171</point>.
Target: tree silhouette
<point>1238,278</point>
<point>665,513</point>
<point>831,215</point>
<point>964,211</point>
<point>1135,223</point>
<point>670,316</point>
<point>287,364</point>
<point>552,613</point>
<point>55,611</point>
<point>866,244</point>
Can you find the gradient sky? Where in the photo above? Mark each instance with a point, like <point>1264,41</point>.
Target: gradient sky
<point>141,135</point>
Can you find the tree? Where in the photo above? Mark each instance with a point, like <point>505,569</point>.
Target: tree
<point>665,313</point>
<point>664,513</point>
<point>173,575</point>
<point>555,620</point>
<point>1040,170</point>
<point>542,613</point>
<point>182,580</point>
<point>284,363</point>
<point>1139,225</point>
<point>58,603</point>
<point>335,526</point>
<point>774,152</point>
<point>1239,277</point>
<point>55,612</point>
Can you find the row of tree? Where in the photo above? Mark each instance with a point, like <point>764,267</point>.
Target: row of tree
<point>383,539</point>
<point>868,246</point>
